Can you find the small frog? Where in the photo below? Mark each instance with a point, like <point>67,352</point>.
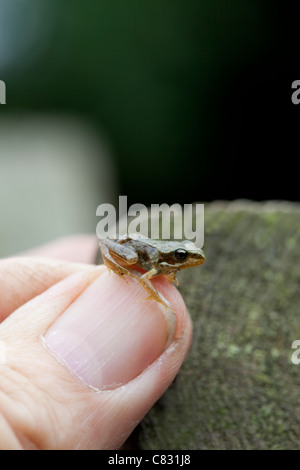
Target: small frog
<point>153,257</point>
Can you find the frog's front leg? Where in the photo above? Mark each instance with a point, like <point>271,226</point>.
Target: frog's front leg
<point>172,277</point>
<point>115,256</point>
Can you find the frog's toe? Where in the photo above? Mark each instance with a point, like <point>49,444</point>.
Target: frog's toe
<point>163,302</point>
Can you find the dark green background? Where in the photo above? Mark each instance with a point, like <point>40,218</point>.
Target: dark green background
<point>193,96</point>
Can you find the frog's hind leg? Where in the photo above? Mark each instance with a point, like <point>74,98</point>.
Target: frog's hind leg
<point>150,289</point>
<point>168,312</point>
<point>113,265</point>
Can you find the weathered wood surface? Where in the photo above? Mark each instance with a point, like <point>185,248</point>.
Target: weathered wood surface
<point>238,388</point>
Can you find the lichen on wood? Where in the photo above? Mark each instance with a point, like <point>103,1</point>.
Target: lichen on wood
<point>238,388</point>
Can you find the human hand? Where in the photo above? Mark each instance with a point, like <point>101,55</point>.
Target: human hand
<point>83,357</point>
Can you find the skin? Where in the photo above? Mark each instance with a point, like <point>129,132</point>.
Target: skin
<point>42,404</point>
<point>153,257</point>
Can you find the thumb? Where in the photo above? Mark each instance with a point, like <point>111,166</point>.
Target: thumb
<point>85,361</point>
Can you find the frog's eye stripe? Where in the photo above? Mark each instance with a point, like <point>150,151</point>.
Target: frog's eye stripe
<point>181,254</point>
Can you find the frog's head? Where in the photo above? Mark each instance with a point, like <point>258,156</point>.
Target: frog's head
<point>188,255</point>
<point>181,255</point>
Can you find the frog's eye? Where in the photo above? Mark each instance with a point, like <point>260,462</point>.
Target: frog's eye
<point>181,254</point>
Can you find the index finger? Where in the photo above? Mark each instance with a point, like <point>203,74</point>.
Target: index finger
<point>75,248</point>
<point>23,278</point>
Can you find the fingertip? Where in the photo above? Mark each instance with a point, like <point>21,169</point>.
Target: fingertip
<point>99,328</point>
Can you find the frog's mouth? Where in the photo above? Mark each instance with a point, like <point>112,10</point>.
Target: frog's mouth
<point>193,261</point>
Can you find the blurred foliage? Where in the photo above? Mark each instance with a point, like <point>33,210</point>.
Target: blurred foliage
<point>150,74</point>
